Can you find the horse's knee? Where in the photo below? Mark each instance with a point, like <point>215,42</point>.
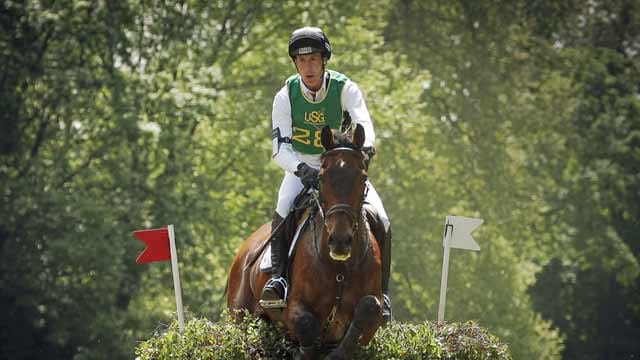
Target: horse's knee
<point>368,312</point>
<point>307,329</point>
<point>366,316</point>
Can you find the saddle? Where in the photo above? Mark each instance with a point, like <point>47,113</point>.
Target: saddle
<point>302,212</point>
<point>299,219</point>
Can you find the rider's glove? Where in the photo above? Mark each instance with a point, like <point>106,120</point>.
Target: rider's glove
<point>308,175</point>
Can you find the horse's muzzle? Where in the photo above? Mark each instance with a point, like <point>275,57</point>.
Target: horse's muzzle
<point>340,248</point>
<point>339,256</point>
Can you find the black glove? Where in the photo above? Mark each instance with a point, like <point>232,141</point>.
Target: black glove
<point>308,175</point>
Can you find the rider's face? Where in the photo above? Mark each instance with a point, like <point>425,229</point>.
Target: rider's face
<point>310,67</point>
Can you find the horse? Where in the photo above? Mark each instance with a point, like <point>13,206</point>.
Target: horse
<point>335,293</point>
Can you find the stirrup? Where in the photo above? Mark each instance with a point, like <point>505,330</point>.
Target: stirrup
<point>278,303</point>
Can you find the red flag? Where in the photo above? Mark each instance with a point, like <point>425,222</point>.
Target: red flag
<point>157,241</point>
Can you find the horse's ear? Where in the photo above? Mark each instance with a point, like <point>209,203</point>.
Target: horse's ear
<point>327,138</point>
<point>358,137</point>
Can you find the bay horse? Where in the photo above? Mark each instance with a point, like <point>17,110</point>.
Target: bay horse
<point>335,275</point>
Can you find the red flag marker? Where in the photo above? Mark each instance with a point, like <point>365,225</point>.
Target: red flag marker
<point>161,246</point>
<point>157,241</point>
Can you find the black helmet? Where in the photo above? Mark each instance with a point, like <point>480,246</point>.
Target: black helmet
<point>309,40</point>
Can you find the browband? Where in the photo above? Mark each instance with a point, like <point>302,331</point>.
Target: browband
<point>341,148</point>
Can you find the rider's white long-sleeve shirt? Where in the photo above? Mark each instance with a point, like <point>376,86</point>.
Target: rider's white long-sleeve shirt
<point>352,101</point>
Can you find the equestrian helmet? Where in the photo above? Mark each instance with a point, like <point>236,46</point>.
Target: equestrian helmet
<point>309,40</point>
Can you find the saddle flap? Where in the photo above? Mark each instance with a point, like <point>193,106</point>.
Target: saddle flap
<point>265,260</point>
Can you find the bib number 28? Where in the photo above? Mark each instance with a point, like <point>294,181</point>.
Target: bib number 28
<point>305,136</point>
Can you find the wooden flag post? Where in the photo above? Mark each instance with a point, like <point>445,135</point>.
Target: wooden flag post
<point>448,229</point>
<point>457,234</point>
<point>176,277</point>
<point>161,246</point>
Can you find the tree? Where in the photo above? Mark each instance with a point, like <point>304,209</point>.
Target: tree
<point>599,276</point>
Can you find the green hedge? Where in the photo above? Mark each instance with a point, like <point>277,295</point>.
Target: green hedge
<point>256,339</point>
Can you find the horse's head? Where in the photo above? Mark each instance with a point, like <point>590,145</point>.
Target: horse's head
<point>343,177</point>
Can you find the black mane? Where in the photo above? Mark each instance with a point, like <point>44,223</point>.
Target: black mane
<point>344,139</point>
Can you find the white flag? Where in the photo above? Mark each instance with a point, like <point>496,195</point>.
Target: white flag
<point>461,228</point>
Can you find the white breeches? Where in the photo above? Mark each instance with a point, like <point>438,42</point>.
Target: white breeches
<point>291,187</point>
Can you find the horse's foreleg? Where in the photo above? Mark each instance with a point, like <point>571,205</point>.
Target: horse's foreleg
<point>366,319</point>
<point>373,322</point>
<point>307,330</point>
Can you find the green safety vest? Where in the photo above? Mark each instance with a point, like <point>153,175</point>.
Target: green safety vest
<point>308,117</point>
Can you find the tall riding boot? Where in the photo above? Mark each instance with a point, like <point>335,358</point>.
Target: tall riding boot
<point>274,293</point>
<point>386,272</point>
<point>383,237</point>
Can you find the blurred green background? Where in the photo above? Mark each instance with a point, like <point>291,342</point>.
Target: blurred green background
<point>121,115</point>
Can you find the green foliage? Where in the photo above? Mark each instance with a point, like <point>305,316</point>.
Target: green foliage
<point>254,338</point>
<point>117,116</point>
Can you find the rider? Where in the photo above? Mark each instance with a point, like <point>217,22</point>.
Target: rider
<point>311,99</point>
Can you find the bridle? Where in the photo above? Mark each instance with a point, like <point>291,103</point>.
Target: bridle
<point>355,220</point>
<point>342,207</point>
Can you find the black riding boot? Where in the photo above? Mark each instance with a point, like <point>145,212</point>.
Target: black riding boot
<point>386,272</point>
<point>274,294</point>
<point>383,236</point>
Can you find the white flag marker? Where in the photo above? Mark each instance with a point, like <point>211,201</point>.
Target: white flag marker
<point>457,234</point>
<point>176,277</point>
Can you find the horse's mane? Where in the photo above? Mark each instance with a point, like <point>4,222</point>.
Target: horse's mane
<point>343,139</point>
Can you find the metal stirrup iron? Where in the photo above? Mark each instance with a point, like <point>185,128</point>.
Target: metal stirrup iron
<point>280,303</point>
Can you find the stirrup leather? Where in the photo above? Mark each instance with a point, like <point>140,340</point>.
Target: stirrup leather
<point>279,303</point>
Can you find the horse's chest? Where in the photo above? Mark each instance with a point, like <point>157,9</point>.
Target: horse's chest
<point>336,314</point>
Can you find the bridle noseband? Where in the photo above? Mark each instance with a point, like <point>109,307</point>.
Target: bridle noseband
<point>342,208</point>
